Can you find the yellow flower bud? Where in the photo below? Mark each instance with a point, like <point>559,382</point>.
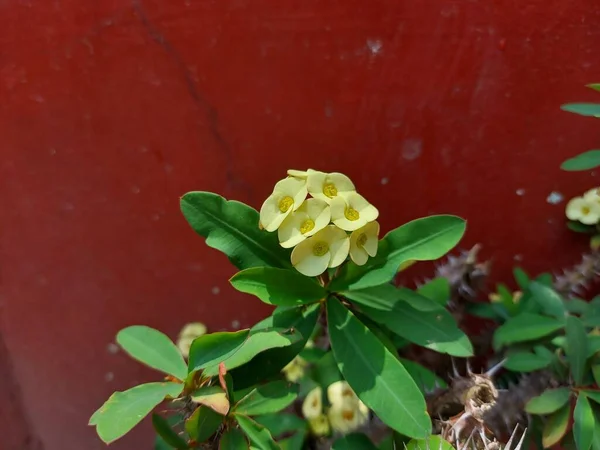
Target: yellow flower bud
<point>352,211</point>
<point>319,426</point>
<point>327,248</point>
<point>347,417</point>
<point>294,371</point>
<point>187,335</point>
<point>312,407</point>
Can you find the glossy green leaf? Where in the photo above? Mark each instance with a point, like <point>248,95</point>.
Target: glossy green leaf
<point>153,348</point>
<point>525,327</point>
<point>164,430</point>
<point>124,410</point>
<point>424,239</point>
<point>172,421</point>
<point>521,278</point>
<point>577,306</point>
<point>233,439</point>
<point>594,395</point>
<point>551,303</point>
<point>523,361</point>
<point>212,396</point>
<point>232,228</point>
<point>437,290</point>
<point>493,311</point>
<point>594,86</point>
<point>270,362</point>
<point>203,423</point>
<point>385,296</point>
<point>436,330</point>
<point>423,377</point>
<point>259,340</point>
<point>596,373</point>
<point>432,443</point>
<point>281,423</point>
<point>550,401</point>
<point>267,398</point>
<point>556,427</point>
<point>214,348</point>
<point>578,227</point>
<point>583,423</point>
<point>353,441</point>
<point>377,377</point>
<point>584,161</point>
<point>294,442</point>
<point>257,434</point>
<point>576,348</point>
<point>278,286</point>
<point>583,109</point>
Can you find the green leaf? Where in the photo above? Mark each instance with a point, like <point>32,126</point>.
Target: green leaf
<point>584,423</point>
<point>281,423</point>
<point>325,371</point>
<point>551,303</point>
<point>259,340</point>
<point>165,431</point>
<point>594,395</point>
<point>583,109</point>
<point>211,349</point>
<point>232,228</point>
<point>596,373</point>
<point>385,296</point>
<point>493,311</point>
<point>578,227</point>
<point>377,377</point>
<point>550,401</point>
<point>521,278</point>
<point>432,442</point>
<point>203,423</point>
<point>525,327</point>
<point>153,348</point>
<point>233,439</point>
<point>294,442</point>
<point>437,290</point>
<point>576,348</point>
<point>423,239</point>
<point>584,161</point>
<point>436,330</point>
<point>268,398</point>
<point>269,363</point>
<point>212,396</point>
<point>523,361</point>
<point>353,441</point>
<point>577,306</point>
<point>556,427</point>
<point>423,377</point>
<point>278,286</point>
<point>124,410</point>
<point>257,434</point>
<point>594,86</point>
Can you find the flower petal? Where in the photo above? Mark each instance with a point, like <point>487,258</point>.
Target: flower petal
<point>312,407</point>
<point>339,209</point>
<point>371,230</point>
<point>270,214</point>
<point>339,246</point>
<point>306,262</point>
<point>292,187</point>
<point>298,173</point>
<point>319,212</point>
<point>358,255</point>
<point>289,232</point>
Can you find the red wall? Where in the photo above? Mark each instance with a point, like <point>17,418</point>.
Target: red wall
<point>109,111</point>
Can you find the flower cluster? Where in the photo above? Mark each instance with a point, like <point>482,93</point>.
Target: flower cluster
<point>345,414</point>
<point>323,229</point>
<point>585,209</point>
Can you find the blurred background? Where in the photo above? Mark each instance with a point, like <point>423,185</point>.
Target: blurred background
<point>111,110</point>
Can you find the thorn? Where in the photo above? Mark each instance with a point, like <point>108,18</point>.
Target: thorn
<point>469,371</point>
<point>494,369</point>
<point>454,369</point>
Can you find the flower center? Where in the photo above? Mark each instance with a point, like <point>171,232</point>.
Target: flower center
<point>351,214</point>
<point>320,248</point>
<point>330,190</point>
<point>285,203</point>
<point>307,225</point>
<point>585,210</point>
<point>362,240</point>
<point>348,414</point>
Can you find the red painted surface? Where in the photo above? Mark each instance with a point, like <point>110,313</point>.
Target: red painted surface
<point>110,111</point>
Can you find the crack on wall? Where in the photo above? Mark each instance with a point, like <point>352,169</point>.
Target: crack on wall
<point>210,112</point>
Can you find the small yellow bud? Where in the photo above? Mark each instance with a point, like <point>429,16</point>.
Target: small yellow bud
<point>312,407</point>
<point>187,335</point>
<point>319,426</point>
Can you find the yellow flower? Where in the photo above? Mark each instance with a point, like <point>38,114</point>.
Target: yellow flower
<point>311,217</point>
<point>327,186</point>
<point>312,407</point>
<point>187,335</point>
<point>341,392</point>
<point>319,426</point>
<point>593,195</point>
<point>352,211</point>
<point>327,248</point>
<point>585,211</point>
<point>298,173</point>
<point>287,197</point>
<point>294,371</point>
<point>346,417</point>
<point>363,243</point>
